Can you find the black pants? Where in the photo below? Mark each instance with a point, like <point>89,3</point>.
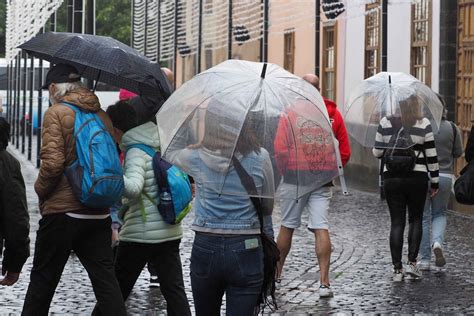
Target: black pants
<point>131,259</point>
<point>403,193</point>
<point>151,269</point>
<point>90,239</point>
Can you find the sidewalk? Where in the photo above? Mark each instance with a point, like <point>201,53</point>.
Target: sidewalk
<point>360,268</point>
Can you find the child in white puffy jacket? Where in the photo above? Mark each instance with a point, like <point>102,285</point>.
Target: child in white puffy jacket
<point>144,236</point>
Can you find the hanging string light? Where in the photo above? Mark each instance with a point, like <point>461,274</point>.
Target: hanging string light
<point>25,18</point>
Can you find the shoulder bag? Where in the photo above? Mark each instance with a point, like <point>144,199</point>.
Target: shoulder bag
<point>271,254</point>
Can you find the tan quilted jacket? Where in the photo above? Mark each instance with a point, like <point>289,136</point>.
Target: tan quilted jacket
<point>58,151</point>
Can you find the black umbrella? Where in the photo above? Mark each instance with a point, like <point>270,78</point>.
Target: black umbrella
<point>103,59</point>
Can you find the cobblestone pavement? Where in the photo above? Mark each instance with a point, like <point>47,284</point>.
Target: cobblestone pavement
<point>360,269</point>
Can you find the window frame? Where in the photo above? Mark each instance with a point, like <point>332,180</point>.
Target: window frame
<point>427,44</point>
<point>325,70</point>
<point>378,48</point>
<point>289,62</point>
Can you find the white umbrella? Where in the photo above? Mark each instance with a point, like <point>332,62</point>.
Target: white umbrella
<point>238,107</point>
<point>392,95</point>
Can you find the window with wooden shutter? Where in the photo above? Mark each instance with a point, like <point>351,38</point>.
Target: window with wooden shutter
<point>421,40</point>
<point>328,87</point>
<point>373,43</point>
<point>289,51</point>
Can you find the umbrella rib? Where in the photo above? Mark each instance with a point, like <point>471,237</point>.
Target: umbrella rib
<point>373,110</point>
<point>294,137</point>
<point>254,101</point>
<point>296,92</point>
<point>194,109</point>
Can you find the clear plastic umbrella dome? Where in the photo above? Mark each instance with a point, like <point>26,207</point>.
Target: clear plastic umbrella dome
<point>274,122</point>
<point>396,96</point>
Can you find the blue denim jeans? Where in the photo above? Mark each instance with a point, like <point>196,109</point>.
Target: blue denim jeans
<point>230,265</point>
<point>435,216</point>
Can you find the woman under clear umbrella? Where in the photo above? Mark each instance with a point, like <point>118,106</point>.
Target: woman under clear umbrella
<point>405,142</point>
<point>227,256</point>
<point>219,128</point>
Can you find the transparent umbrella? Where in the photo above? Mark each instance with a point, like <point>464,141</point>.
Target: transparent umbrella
<point>274,122</point>
<point>394,95</point>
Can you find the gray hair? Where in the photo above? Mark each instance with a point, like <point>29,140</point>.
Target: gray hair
<point>63,88</point>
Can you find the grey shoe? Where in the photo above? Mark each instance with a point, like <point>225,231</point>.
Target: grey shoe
<point>398,275</point>
<point>325,291</point>
<point>413,271</point>
<point>439,257</point>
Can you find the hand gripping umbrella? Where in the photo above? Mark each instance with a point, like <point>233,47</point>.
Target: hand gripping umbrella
<point>103,59</point>
<point>274,122</point>
<point>393,95</point>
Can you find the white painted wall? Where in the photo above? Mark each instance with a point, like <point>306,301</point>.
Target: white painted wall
<point>435,45</point>
<point>353,72</point>
<point>399,33</point>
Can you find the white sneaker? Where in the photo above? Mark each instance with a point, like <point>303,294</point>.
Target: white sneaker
<point>424,265</point>
<point>398,275</point>
<point>154,281</point>
<point>439,257</point>
<point>325,291</point>
<point>413,271</point>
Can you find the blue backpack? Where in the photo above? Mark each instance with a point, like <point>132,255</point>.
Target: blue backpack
<point>96,176</point>
<point>174,188</point>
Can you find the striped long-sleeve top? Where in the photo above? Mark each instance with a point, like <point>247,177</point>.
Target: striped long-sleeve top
<point>422,136</point>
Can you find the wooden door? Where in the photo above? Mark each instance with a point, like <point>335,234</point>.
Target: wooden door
<point>465,71</point>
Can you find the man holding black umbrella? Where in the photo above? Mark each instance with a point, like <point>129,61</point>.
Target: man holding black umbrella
<point>66,224</point>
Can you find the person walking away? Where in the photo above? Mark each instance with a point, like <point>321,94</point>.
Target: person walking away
<point>66,224</point>
<point>227,256</point>
<point>144,236</point>
<point>316,202</point>
<point>449,146</point>
<point>14,218</point>
<point>123,118</point>
<point>407,189</point>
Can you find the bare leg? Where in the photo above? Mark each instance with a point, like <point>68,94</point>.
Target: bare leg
<point>284,244</point>
<point>323,252</point>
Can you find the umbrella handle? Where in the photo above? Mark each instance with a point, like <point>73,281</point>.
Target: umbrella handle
<point>340,168</point>
<point>96,80</point>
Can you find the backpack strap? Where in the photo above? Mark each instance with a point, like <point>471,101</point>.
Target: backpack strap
<point>77,110</point>
<point>145,148</point>
<point>393,138</point>
<point>160,174</point>
<point>251,188</point>
<point>72,106</point>
<point>151,152</point>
